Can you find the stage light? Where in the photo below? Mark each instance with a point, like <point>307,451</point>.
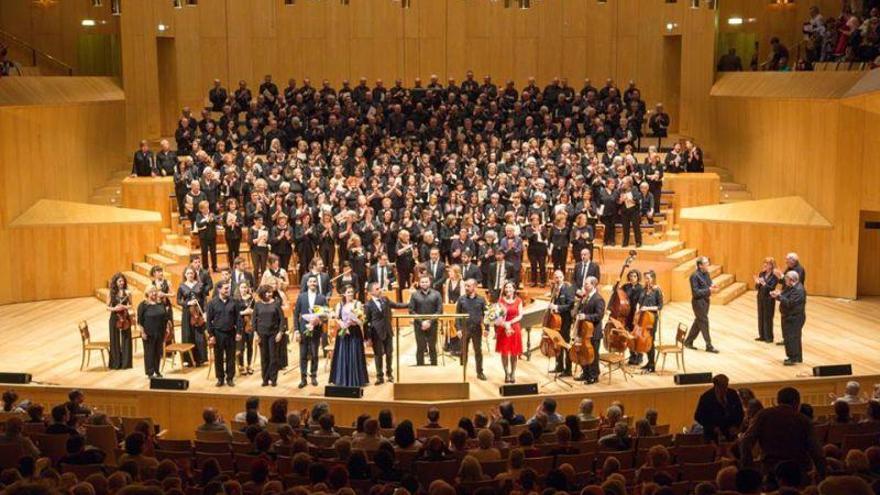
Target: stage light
<point>115,7</point>
<point>177,4</point>
<point>735,21</point>
<point>88,22</point>
<point>96,3</point>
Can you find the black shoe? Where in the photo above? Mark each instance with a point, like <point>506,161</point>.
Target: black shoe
<point>788,362</point>
<point>274,383</point>
<point>219,383</point>
<point>314,382</point>
<point>781,343</point>
<point>591,380</point>
<point>158,375</point>
<point>565,374</point>
<point>379,381</point>
<point>302,384</point>
<point>390,378</point>
<point>582,378</point>
<point>481,376</point>
<point>230,382</point>
<point>691,347</point>
<point>712,350</point>
<point>760,339</point>
<point>265,384</point>
<point>646,366</point>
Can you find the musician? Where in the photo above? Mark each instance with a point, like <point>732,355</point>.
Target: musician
<point>202,275</point>
<point>144,164</point>
<point>349,365</point>
<point>512,247</point>
<point>382,273</point>
<point>469,270</point>
<point>224,331</point>
<point>792,263</point>
<point>462,245</point>
<point>348,277</point>
<point>593,310</point>
<point>308,333</point>
<point>225,276</point>
<point>608,209</point>
<point>633,289</point>
<point>435,269</point>
<point>508,335</point>
<point>158,281</point>
<point>701,290</point>
<point>281,241</point>
<point>191,297</point>
<point>306,241</point>
<point>584,268</point>
<point>406,261</point>
<point>629,206</point>
<point>581,234</point>
<point>792,302</point>
<point>536,234</point>
<point>166,160</point>
<point>240,276</point>
<point>153,319</point>
<point>324,285</point>
<point>499,272</point>
<point>120,323</point>
<point>268,322</point>
<point>453,286</point>
<point>244,348</point>
<point>471,328</point>
<point>562,302</point>
<point>205,225</point>
<point>765,283</point>
<point>675,160</point>
<point>651,299</point>
<point>559,240</point>
<point>276,272</point>
<point>258,241</point>
<point>646,204</point>
<point>652,173</point>
<point>424,301</point>
<point>232,221</point>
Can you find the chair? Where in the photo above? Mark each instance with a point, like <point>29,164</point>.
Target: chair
<point>580,462</point>
<point>677,349</point>
<point>590,424</point>
<point>406,458</point>
<point>858,442</point>
<point>443,433</point>
<point>225,460</point>
<point>473,486</point>
<point>700,472</point>
<point>104,438</point>
<point>176,445</point>
<point>494,468</point>
<point>129,424</point>
<point>212,436</point>
<point>322,441</point>
<point>89,346</point>
<point>837,432</point>
<point>689,439</point>
<point>243,462</point>
<point>648,442</point>
<point>625,457</point>
<point>586,446</point>
<point>662,429</point>
<point>51,446</point>
<point>427,472</point>
<point>212,446</point>
<point>179,457</point>
<point>614,361</point>
<point>346,431</point>
<point>241,447</point>
<point>541,465</point>
<point>175,350</point>
<point>695,454</point>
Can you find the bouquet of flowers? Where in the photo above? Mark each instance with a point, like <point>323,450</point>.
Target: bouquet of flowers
<point>349,317</point>
<point>494,315</point>
<point>315,318</point>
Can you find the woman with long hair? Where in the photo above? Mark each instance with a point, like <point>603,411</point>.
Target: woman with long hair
<point>191,296</point>
<point>651,299</point>
<point>120,323</point>
<point>349,365</point>
<point>508,338</point>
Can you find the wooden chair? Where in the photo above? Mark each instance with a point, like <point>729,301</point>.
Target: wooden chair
<point>695,454</point>
<point>494,468</point>
<point>677,349</point>
<point>175,350</point>
<point>614,361</point>
<point>473,486</point>
<point>130,423</point>
<point>51,446</point>
<point>648,442</point>
<point>443,433</point>
<point>243,462</point>
<point>89,346</point>
<point>689,439</point>
<point>427,472</point>
<point>625,457</point>
<point>700,472</point>
<point>858,442</point>
<point>580,462</point>
<point>83,471</point>
<point>104,438</point>
<point>541,465</point>
<point>225,460</point>
<point>346,431</point>
<point>321,441</point>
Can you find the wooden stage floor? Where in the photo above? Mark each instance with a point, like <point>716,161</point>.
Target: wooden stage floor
<point>42,339</point>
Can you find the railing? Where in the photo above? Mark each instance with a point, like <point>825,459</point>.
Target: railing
<point>36,54</point>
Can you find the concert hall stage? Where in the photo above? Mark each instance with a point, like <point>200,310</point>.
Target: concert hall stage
<point>42,339</point>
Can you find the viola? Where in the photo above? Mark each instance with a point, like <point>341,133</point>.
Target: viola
<point>196,316</point>
<point>123,318</point>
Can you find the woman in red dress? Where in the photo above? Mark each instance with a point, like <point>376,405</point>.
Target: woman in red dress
<point>508,335</point>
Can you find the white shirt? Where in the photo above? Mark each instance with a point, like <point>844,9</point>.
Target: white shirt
<point>312,296</point>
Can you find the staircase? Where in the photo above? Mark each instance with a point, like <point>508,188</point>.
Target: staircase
<point>731,192</point>
<point>110,194</point>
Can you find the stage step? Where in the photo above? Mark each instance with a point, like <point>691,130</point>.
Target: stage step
<point>735,196</point>
<point>180,254</point>
<point>729,293</point>
<point>723,173</point>
<point>733,186</point>
<point>654,252</point>
<point>161,260</point>
<point>136,280</point>
<point>683,255</point>
<point>142,267</point>
<point>723,280</point>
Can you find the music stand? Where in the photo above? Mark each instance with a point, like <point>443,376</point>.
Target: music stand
<point>558,341</point>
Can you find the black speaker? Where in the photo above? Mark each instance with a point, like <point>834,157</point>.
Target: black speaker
<point>519,389</point>
<point>347,392</point>
<point>692,378</point>
<point>832,370</point>
<point>169,384</point>
<point>15,377</point>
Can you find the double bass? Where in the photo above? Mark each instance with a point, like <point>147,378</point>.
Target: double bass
<point>641,339</point>
<point>619,307</point>
<point>581,351</point>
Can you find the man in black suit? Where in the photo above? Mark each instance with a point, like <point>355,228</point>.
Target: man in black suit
<point>240,276</point>
<point>223,330</point>
<point>202,275</point>
<point>143,164</point>
<point>166,160</point>
<point>380,331</point>
<point>701,290</point>
<point>593,310</point>
<point>500,271</point>
<point>217,96</point>
<point>469,269</point>
<point>583,269</point>
<point>719,411</point>
<point>308,334</point>
<point>435,269</point>
<point>382,273</point>
<point>608,210</point>
<point>792,263</point>
<point>316,269</point>
<point>562,304</point>
<point>425,301</point>
<point>471,328</point>
<point>792,304</point>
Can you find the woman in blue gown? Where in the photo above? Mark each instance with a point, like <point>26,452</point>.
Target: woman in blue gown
<point>349,365</point>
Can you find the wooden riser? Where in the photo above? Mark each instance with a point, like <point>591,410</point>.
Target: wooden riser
<point>654,252</point>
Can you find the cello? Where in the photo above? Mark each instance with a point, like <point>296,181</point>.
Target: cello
<point>552,341</point>
<point>581,352</point>
<point>619,308</point>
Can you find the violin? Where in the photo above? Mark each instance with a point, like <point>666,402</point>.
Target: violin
<point>123,318</point>
<point>196,316</point>
<point>248,321</point>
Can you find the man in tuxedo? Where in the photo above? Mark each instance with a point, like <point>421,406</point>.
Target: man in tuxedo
<point>223,332</point>
<point>435,269</point>
<point>240,276</point>
<point>379,330</point>
<point>500,271</point>
<point>217,96</point>
<point>166,160</point>
<point>512,246</point>
<point>322,280</point>
<point>308,334</point>
<point>382,273</point>
<point>471,328</point>
<point>701,290</point>
<point>143,164</point>
<point>608,210</point>
<point>469,269</point>
<point>562,304</point>
<point>425,301</point>
<point>593,311</point>
<point>202,275</point>
<point>792,304</point>
<point>583,269</point>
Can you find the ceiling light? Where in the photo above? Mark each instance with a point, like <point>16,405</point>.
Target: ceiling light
<point>525,4</point>
<point>88,22</point>
<point>162,28</point>
<point>735,21</point>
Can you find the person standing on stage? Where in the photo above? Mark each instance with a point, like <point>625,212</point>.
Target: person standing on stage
<point>792,303</point>
<point>792,262</point>
<point>765,283</point>
<point>232,221</point>
<point>308,332</point>
<point>258,240</point>
<point>205,226</point>
<point>537,235</point>
<point>583,269</point>
<point>120,323</point>
<point>268,324</point>
<point>562,296</point>
<point>701,290</point>
<point>593,310</point>
<point>471,328</point>
<point>191,296</point>
<point>348,367</point>
<point>500,271</point>
<point>223,330</point>
<point>508,335</point>
<point>152,318</point>
<point>512,247</point>
<point>651,299</point>
<point>425,301</point>
<point>380,331</point>
<point>245,347</point>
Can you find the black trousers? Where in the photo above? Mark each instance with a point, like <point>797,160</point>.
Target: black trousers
<point>269,358</point>
<point>209,246</point>
<point>426,341</point>
<point>792,329</point>
<point>766,310</point>
<point>563,360</point>
<point>538,257</point>
<point>630,221</point>
<point>328,253</point>
<point>308,354</point>
<point>593,368</point>
<point>245,348</point>
<point>224,357</point>
<point>284,260</point>
<point>259,258</point>
<point>233,249</point>
<point>608,237</point>
<point>473,336</point>
<point>652,352</point>
<point>656,188</point>
<point>560,257</point>
<point>701,323</point>
<point>152,353</point>
<point>383,350</point>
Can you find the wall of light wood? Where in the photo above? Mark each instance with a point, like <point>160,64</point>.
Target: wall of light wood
<point>234,40</point>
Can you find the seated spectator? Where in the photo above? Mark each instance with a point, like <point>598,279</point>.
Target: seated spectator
<point>470,470</point>
<point>76,406</point>
<point>405,437</point>
<point>359,466</point>
<point>35,414</point>
<point>384,462</point>
<point>507,412</point>
<point>10,403</point>
<point>548,410</point>
<point>370,439</point>
<point>613,415</point>
<point>725,478</point>
<point>563,442</point>
<point>480,420</point>
<point>852,394</point>
<point>585,410</point>
<point>458,440</point>
<point>326,425</point>
<point>8,67</point>
<point>845,485</point>
<point>212,421</point>
<point>467,426</point>
<point>251,404</point>
<point>574,426</point>
<point>485,450</point>
<point>433,417</point>
<point>13,436</point>
<point>434,450</point>
<point>872,412</point>
<point>719,410</point>
<point>619,440</point>
<point>134,451</point>
<point>61,422</point>
<point>643,428</point>
<point>841,413</point>
<point>748,482</point>
<point>656,460</point>
<point>359,425</point>
<point>515,461</point>
<point>278,413</point>
<point>318,410</point>
<point>526,442</point>
<point>386,419</point>
<point>342,448</point>
<point>285,438</point>
<point>79,454</point>
<point>263,447</point>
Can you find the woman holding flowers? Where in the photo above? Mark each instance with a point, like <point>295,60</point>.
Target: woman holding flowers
<point>349,365</point>
<point>508,334</point>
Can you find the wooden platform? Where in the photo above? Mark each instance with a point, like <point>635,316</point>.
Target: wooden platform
<point>41,338</point>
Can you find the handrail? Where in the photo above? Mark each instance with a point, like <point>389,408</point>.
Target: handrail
<point>35,52</point>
